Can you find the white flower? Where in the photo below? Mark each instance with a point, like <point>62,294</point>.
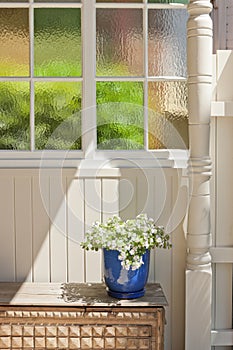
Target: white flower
<point>131,238</point>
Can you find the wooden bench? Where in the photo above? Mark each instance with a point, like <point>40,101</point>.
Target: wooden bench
<point>79,316</point>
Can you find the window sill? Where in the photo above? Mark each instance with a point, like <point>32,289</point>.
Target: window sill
<point>101,159</point>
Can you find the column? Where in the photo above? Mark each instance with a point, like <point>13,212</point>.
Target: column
<point>198,268</point>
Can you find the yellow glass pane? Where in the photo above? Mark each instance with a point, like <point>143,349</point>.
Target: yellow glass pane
<point>168,115</point>
<point>14,42</point>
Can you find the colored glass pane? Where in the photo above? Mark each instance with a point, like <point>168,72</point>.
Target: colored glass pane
<point>14,42</point>
<point>14,116</point>
<point>57,42</point>
<point>167,115</point>
<point>119,42</point>
<point>57,115</point>
<point>120,117</point>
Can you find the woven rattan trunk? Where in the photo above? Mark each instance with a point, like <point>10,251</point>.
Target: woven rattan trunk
<point>109,326</point>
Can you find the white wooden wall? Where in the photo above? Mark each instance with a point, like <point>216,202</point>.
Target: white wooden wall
<point>222,201</point>
<point>162,193</point>
<point>229,24</point>
<point>44,214</point>
<point>223,24</point>
<point>43,217</point>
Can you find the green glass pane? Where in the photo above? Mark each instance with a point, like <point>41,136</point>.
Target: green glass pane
<point>57,115</point>
<point>167,42</point>
<point>120,120</point>
<point>14,116</point>
<point>119,1</point>
<point>168,115</point>
<point>119,43</point>
<point>57,1</point>
<point>57,42</point>
<point>14,42</point>
<point>169,1</point>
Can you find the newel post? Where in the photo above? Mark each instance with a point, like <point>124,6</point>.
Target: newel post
<point>198,268</point>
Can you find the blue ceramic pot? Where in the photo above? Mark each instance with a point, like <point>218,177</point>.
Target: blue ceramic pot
<point>122,283</point>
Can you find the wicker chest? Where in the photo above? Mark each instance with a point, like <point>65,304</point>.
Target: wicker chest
<point>79,316</point>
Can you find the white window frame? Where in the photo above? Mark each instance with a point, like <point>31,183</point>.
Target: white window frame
<point>89,153</point>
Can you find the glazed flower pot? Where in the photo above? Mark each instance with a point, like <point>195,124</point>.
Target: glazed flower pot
<point>122,283</point>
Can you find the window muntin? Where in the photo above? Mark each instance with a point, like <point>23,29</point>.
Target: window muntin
<point>56,61</point>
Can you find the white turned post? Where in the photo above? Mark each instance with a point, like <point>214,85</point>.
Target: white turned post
<point>198,269</point>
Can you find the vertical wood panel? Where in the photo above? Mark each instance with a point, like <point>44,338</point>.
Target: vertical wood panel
<point>127,195</point>
<point>23,228</point>
<point>7,235</point>
<point>224,222</point>
<point>75,217</point>
<point>92,214</point>
<point>58,233</point>
<point>158,192</point>
<point>179,205</point>
<point>146,204</point>
<point>41,229</point>
<point>110,198</point>
<point>163,258</point>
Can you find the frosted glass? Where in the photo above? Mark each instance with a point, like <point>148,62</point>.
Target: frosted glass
<point>167,42</point>
<point>168,116</point>
<point>119,42</point>
<point>14,1</point>
<point>57,42</point>
<point>73,1</point>
<point>77,1</point>
<point>14,116</point>
<point>14,42</point>
<point>119,1</point>
<point>120,117</point>
<point>57,115</point>
<point>169,1</point>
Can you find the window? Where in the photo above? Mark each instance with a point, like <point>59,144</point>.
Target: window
<point>93,75</point>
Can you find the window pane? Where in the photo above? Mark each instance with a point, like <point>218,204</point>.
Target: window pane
<point>169,1</point>
<point>167,42</point>
<point>168,120</point>
<point>120,118</point>
<point>58,42</point>
<point>57,115</point>
<point>77,1</point>
<point>119,1</point>
<point>14,1</point>
<point>119,42</point>
<point>14,116</point>
<point>14,42</point>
